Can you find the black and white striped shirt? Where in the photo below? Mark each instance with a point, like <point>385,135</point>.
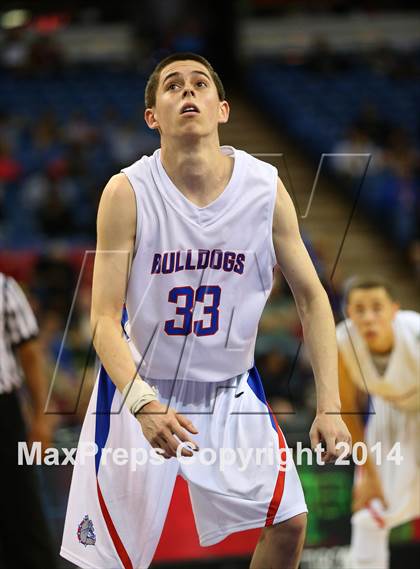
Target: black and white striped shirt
<point>17,325</point>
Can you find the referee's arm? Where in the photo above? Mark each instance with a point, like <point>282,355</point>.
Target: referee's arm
<point>32,362</point>
<point>23,330</point>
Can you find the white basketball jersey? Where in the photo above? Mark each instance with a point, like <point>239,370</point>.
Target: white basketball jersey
<point>400,382</point>
<point>200,276</point>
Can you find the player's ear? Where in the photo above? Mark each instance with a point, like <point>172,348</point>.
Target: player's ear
<point>150,118</point>
<point>224,111</point>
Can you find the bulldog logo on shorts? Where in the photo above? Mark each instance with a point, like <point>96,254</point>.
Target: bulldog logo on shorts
<point>86,532</point>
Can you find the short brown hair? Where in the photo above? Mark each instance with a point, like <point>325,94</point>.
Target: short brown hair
<point>367,282</point>
<point>153,81</point>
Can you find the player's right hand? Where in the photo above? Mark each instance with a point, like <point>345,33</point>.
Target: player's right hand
<point>166,429</point>
<point>368,488</point>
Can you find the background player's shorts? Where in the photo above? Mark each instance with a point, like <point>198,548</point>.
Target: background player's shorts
<point>242,477</point>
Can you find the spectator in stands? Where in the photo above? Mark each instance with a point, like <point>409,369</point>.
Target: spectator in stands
<point>54,281</point>
<point>45,55</point>
<point>10,167</point>
<point>189,35</point>
<point>127,143</point>
<point>390,191</point>
<point>407,67</point>
<point>10,174</point>
<point>352,153</point>
<point>79,130</point>
<point>376,128</point>
<point>10,128</point>
<point>405,218</point>
<point>54,215</point>
<point>14,50</point>
<point>400,155</point>
<point>45,144</point>
<point>323,60</point>
<point>382,60</point>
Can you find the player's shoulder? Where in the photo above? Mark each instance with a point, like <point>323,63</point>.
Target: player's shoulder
<point>117,187</point>
<point>342,326</point>
<point>117,203</point>
<point>409,319</point>
<point>256,164</point>
<point>346,334</point>
<point>142,166</point>
<point>343,331</point>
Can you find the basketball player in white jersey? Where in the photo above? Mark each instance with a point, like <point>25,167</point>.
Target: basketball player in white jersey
<point>379,357</point>
<point>188,239</point>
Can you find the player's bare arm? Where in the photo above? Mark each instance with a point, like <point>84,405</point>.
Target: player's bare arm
<point>353,401</point>
<point>317,321</point>
<point>116,230</point>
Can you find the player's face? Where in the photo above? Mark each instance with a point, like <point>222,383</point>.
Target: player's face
<point>187,102</point>
<point>372,311</point>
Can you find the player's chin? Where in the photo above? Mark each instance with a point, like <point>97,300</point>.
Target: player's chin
<point>190,134</point>
<point>191,125</point>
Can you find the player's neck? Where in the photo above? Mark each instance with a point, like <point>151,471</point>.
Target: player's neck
<point>199,169</point>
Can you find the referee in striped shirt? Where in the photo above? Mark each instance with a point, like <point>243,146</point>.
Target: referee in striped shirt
<point>24,534</point>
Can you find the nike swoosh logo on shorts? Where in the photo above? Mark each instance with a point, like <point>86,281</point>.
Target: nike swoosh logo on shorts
<point>239,394</point>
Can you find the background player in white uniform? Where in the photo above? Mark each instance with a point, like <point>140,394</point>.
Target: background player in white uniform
<point>379,357</point>
<point>188,238</point>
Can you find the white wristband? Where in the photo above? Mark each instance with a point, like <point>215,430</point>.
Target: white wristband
<point>137,393</point>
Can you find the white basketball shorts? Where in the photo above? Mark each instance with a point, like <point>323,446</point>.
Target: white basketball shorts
<point>242,477</point>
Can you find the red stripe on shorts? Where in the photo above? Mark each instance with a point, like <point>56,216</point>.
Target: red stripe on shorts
<point>279,487</point>
<point>376,516</point>
<point>123,555</point>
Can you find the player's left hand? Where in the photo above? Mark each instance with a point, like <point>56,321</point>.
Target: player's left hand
<point>329,430</point>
